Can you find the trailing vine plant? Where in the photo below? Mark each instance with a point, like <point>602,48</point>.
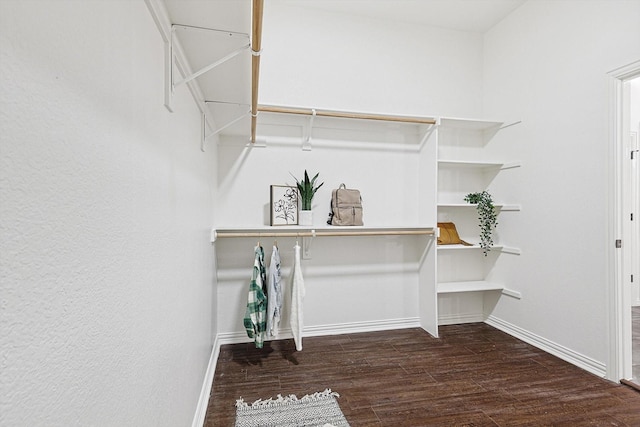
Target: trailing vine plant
<point>487,217</point>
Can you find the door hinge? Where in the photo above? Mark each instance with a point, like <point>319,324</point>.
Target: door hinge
<point>632,278</point>
<point>632,153</point>
<point>618,243</point>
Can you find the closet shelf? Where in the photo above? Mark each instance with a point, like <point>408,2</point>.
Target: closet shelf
<point>346,114</point>
<point>335,231</point>
<point>476,164</point>
<point>468,286</point>
<point>497,248</point>
<point>469,124</point>
<point>500,206</point>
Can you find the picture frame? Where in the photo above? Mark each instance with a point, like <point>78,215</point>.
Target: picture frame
<point>284,205</point>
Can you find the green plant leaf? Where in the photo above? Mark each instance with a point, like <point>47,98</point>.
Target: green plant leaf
<point>487,217</point>
<point>307,189</point>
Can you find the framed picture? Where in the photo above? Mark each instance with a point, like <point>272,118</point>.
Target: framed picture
<point>284,205</point>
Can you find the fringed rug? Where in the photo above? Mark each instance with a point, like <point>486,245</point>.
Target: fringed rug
<point>319,409</point>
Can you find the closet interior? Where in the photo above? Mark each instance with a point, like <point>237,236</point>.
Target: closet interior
<point>413,172</point>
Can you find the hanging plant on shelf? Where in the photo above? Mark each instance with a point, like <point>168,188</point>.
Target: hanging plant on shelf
<point>487,217</point>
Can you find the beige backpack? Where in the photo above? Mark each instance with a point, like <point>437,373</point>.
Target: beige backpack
<point>346,207</point>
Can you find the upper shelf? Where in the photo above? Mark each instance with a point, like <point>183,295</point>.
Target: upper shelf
<point>500,206</point>
<point>347,128</point>
<point>496,248</point>
<point>215,48</point>
<point>307,231</point>
<point>469,124</point>
<point>476,164</point>
<point>347,114</point>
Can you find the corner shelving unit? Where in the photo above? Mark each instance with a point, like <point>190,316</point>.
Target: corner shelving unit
<point>464,167</point>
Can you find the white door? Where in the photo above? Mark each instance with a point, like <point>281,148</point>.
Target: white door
<point>630,191</point>
<point>623,227</point>
<point>634,198</point>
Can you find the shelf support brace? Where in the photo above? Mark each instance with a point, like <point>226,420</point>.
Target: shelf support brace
<point>426,136</point>
<point>212,66</point>
<point>510,124</point>
<point>168,73</point>
<point>172,46</point>
<point>204,136</point>
<point>306,245</point>
<point>306,142</point>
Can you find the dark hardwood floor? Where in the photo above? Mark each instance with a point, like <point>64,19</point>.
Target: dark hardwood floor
<point>473,375</point>
<point>635,331</point>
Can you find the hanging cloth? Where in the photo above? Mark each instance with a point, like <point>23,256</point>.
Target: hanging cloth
<point>297,297</point>
<point>256,313</point>
<point>274,294</point>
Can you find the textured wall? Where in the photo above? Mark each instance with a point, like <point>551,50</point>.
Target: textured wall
<point>106,268</point>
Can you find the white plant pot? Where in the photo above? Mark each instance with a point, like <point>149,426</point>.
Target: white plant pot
<point>305,218</point>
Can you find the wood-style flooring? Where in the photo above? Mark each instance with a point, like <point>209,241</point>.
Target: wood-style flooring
<point>473,375</point>
<point>635,331</point>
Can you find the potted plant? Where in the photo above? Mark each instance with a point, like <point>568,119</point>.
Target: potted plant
<point>307,188</point>
<point>487,217</point>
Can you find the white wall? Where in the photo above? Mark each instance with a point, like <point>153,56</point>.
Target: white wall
<point>106,267</point>
<point>546,65</point>
<point>329,60</point>
<point>318,59</point>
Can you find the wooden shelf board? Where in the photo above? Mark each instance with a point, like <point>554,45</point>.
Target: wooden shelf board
<point>310,231</point>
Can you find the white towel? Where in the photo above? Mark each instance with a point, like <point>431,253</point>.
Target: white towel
<point>297,297</point>
<point>274,294</point>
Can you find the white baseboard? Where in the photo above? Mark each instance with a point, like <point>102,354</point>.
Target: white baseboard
<point>205,392</point>
<point>564,353</point>
<point>457,318</point>
<point>333,329</point>
<point>357,327</point>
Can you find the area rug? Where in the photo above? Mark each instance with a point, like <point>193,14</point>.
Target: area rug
<point>319,409</point>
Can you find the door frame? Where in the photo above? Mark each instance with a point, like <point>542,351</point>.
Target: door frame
<point>619,296</point>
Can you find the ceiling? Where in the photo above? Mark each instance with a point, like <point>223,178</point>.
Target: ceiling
<point>462,15</point>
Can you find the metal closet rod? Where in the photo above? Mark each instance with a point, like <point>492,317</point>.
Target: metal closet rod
<point>318,233</point>
<point>345,114</point>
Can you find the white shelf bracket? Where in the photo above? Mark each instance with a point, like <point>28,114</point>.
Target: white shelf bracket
<point>220,129</point>
<point>170,47</point>
<point>204,136</point>
<point>306,245</point>
<point>168,72</point>
<point>512,293</point>
<point>426,136</point>
<point>306,142</point>
<point>211,66</point>
<point>511,124</point>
